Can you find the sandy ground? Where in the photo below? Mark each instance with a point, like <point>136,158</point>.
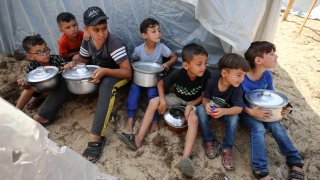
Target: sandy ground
<point>296,76</point>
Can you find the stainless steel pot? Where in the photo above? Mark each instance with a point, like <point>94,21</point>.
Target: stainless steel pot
<point>174,117</point>
<point>78,78</point>
<point>43,78</point>
<point>267,100</point>
<point>146,74</point>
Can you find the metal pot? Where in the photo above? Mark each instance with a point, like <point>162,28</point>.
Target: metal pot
<point>174,117</point>
<point>78,78</point>
<point>267,100</point>
<point>146,74</point>
<point>43,78</point>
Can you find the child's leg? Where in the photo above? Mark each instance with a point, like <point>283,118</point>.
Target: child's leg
<point>132,105</point>
<point>204,119</point>
<point>147,120</point>
<point>25,97</point>
<point>153,92</point>
<point>259,159</point>
<point>285,144</point>
<point>191,134</point>
<point>231,131</point>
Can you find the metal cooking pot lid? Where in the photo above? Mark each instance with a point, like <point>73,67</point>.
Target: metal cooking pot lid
<point>42,73</point>
<point>147,67</point>
<point>80,71</point>
<point>266,98</point>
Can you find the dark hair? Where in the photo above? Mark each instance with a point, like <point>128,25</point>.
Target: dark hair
<point>29,41</point>
<point>233,61</point>
<point>190,50</point>
<point>148,23</point>
<point>258,49</point>
<point>65,17</point>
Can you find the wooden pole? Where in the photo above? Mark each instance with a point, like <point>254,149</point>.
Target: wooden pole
<point>305,18</point>
<point>286,13</point>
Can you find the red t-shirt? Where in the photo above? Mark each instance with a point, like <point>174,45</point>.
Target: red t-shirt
<point>67,45</point>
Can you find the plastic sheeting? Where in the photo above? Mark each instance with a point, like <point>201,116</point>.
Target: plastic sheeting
<point>224,26</point>
<point>27,153</point>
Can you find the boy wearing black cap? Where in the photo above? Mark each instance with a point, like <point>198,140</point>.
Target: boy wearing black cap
<point>109,52</point>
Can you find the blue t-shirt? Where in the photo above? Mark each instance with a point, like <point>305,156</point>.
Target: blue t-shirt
<point>265,82</point>
<point>160,51</point>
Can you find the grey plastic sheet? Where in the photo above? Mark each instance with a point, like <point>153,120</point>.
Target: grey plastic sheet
<point>219,25</point>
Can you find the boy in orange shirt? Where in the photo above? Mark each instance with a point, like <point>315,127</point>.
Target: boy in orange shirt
<point>70,41</point>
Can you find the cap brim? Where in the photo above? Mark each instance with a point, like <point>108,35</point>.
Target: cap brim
<point>96,21</point>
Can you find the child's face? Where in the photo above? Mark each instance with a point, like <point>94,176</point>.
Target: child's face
<point>153,34</point>
<point>70,29</point>
<point>233,76</point>
<point>39,53</point>
<point>197,66</point>
<point>269,60</point>
<point>98,33</point>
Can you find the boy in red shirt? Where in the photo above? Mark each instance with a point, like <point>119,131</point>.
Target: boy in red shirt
<point>70,41</point>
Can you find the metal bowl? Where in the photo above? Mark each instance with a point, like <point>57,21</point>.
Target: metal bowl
<point>43,78</point>
<point>78,78</point>
<point>267,100</point>
<point>174,117</point>
<point>146,74</point>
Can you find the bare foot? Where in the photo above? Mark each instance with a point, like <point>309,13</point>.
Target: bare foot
<point>40,119</point>
<point>154,126</point>
<point>129,125</point>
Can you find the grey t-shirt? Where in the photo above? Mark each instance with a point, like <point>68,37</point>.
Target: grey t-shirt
<point>110,55</point>
<point>161,50</point>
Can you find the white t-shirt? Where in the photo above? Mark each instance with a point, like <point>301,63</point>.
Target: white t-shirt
<point>161,50</point>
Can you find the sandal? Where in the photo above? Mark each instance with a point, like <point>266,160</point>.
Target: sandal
<point>187,167</point>
<point>295,174</point>
<point>128,139</point>
<point>94,150</point>
<point>227,160</point>
<point>260,175</point>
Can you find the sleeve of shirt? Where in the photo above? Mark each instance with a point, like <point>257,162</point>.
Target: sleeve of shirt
<point>84,49</point>
<point>170,79</point>
<point>270,83</point>
<point>118,50</point>
<point>166,52</point>
<point>135,55</point>
<point>63,48</point>
<point>237,97</point>
<point>209,89</point>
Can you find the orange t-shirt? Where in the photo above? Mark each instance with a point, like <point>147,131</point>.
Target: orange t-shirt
<point>67,45</point>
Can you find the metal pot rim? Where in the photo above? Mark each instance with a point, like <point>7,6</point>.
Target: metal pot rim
<point>56,72</point>
<point>252,102</point>
<point>146,63</point>
<point>167,117</point>
<point>78,78</point>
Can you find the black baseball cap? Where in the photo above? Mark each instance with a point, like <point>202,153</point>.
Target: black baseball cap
<point>93,15</point>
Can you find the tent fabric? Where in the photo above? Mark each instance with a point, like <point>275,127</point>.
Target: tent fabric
<point>301,8</point>
<point>220,26</point>
<point>27,153</point>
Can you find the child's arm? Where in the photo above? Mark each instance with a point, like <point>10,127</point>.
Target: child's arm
<point>257,112</point>
<point>173,59</point>
<point>218,112</point>
<point>163,103</point>
<point>124,71</point>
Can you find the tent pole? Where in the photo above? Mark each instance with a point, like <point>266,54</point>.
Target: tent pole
<point>286,13</point>
<point>305,18</point>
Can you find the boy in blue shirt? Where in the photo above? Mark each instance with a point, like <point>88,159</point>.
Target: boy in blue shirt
<point>261,56</point>
<point>223,99</point>
<point>152,50</point>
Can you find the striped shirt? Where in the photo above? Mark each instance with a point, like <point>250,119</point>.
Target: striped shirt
<point>110,55</point>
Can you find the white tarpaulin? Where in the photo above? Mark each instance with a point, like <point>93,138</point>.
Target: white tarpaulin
<point>27,153</point>
<point>219,25</point>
